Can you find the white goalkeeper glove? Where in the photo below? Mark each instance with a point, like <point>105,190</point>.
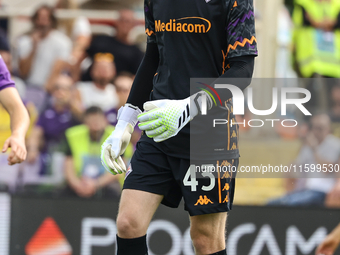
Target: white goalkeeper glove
<point>115,145</point>
<point>165,118</point>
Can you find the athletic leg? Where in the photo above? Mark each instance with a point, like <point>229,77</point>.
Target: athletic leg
<point>148,180</point>
<point>208,233</point>
<point>136,209</point>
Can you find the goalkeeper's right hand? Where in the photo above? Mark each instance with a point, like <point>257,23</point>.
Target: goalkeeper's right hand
<point>115,145</point>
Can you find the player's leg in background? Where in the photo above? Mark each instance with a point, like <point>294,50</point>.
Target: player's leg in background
<point>136,210</point>
<point>208,233</point>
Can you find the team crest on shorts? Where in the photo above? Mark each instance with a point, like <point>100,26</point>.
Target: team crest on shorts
<point>129,170</point>
<point>207,1</point>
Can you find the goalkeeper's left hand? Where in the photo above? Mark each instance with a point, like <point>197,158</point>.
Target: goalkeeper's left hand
<point>165,118</point>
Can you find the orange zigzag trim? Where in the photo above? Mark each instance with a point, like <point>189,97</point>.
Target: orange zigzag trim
<point>148,32</point>
<point>242,44</point>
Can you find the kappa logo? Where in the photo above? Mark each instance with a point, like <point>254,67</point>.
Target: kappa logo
<point>226,200</point>
<point>226,187</point>
<point>48,239</point>
<point>203,200</point>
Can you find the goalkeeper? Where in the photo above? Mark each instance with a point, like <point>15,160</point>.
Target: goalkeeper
<point>186,39</point>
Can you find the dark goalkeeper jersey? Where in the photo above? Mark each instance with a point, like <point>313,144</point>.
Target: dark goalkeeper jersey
<point>195,39</point>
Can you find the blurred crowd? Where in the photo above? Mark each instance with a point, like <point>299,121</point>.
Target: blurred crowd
<point>313,29</point>
<point>72,82</point>
<point>308,56</point>
<point>316,181</point>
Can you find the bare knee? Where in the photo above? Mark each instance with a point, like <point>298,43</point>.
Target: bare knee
<point>202,241</point>
<point>131,224</point>
<point>208,232</point>
<point>128,226</point>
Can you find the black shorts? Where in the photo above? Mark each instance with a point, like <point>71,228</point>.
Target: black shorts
<point>205,189</point>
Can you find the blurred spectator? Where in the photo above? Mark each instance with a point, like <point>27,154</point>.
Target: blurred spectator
<point>4,44</point>
<point>41,48</point>
<point>335,100</point>
<point>3,20</point>
<point>79,30</point>
<point>335,110</point>
<point>284,38</point>
<point>333,196</point>
<point>123,83</point>
<point>124,25</point>
<point>316,43</point>
<point>127,57</point>
<point>100,92</point>
<point>315,40</point>
<point>85,175</point>
<point>48,135</point>
<point>319,148</point>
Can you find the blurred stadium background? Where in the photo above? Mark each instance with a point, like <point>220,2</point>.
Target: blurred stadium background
<point>99,44</point>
